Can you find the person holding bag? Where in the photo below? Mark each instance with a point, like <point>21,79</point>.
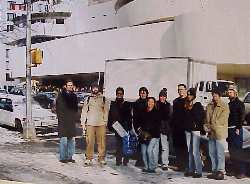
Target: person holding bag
<point>149,135</point>
<point>120,111</point>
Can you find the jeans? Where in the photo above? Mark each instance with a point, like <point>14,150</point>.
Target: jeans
<point>119,152</point>
<point>150,154</point>
<point>217,154</point>
<point>193,145</point>
<point>165,149</point>
<point>66,148</point>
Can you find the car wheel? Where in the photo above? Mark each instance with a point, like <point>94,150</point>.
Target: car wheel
<point>18,125</point>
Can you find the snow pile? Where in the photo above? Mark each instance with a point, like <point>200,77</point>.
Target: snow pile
<point>9,137</point>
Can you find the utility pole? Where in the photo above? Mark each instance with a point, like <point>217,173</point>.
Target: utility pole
<point>29,131</point>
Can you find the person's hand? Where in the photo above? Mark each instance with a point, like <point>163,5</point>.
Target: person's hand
<point>237,131</point>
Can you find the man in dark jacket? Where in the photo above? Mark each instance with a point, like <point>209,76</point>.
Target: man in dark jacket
<point>66,110</point>
<point>194,121</point>
<point>164,110</point>
<point>177,125</point>
<point>235,132</point>
<point>120,111</point>
<point>138,107</point>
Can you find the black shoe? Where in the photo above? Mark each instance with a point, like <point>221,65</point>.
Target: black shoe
<point>151,171</point>
<point>144,170</point>
<point>188,174</point>
<point>196,175</point>
<point>63,161</point>
<point>118,163</point>
<point>139,163</point>
<point>240,176</point>
<point>164,167</point>
<point>71,160</point>
<point>219,176</point>
<point>125,161</point>
<point>230,174</point>
<point>212,176</point>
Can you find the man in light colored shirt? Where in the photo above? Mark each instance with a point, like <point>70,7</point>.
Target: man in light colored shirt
<point>95,116</point>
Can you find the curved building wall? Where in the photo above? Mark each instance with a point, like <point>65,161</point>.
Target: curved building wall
<point>221,34</point>
<point>141,11</point>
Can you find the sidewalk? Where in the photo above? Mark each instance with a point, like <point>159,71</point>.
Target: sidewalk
<point>11,182</point>
<point>37,163</point>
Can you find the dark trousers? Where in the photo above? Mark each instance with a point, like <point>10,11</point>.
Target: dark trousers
<point>120,157</point>
<point>180,147</point>
<point>235,147</point>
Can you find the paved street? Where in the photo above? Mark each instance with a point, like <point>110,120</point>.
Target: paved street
<point>38,163</point>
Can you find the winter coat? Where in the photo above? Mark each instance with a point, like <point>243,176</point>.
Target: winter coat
<point>95,111</point>
<point>237,113</point>
<point>66,110</point>
<point>217,120</point>
<point>150,122</point>
<point>177,122</point>
<point>121,112</point>
<point>138,107</point>
<point>164,110</point>
<point>194,118</point>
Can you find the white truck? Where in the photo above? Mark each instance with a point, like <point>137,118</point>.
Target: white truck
<point>157,73</point>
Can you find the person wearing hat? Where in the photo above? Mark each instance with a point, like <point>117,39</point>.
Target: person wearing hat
<point>194,115</point>
<point>164,109</point>
<point>216,126</point>
<point>95,116</point>
<point>138,107</point>
<point>235,131</point>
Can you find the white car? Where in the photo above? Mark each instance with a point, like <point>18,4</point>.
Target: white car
<point>12,113</point>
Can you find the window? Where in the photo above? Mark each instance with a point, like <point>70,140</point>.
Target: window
<point>8,77</point>
<point>10,28</point>
<point>201,86</point>
<point>46,8</point>
<point>10,5</point>
<point>247,99</point>
<point>7,53</point>
<point>59,21</point>
<point>10,16</point>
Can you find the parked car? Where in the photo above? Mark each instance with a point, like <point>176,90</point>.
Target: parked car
<point>81,96</point>
<point>3,91</point>
<point>45,99</point>
<point>12,113</point>
<point>246,101</point>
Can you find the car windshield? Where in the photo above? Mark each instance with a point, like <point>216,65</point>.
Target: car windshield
<point>247,99</point>
<point>222,86</point>
<point>3,91</point>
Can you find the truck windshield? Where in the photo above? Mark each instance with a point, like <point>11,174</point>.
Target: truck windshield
<point>222,86</point>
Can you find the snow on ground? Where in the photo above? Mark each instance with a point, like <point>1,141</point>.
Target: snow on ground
<point>9,137</point>
<point>21,161</point>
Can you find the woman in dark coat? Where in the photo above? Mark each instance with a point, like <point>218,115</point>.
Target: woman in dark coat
<point>66,110</point>
<point>149,133</point>
<point>194,115</point>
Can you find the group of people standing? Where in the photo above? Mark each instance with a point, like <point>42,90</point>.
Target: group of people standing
<point>155,122</point>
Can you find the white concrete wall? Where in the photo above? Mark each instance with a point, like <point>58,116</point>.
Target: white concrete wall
<point>139,11</point>
<point>2,65</point>
<point>220,34</point>
<point>86,18</point>
<point>87,53</point>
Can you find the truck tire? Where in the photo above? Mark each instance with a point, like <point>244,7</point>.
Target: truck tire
<point>18,125</point>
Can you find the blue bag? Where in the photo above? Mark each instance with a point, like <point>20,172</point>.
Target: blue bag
<point>129,144</point>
